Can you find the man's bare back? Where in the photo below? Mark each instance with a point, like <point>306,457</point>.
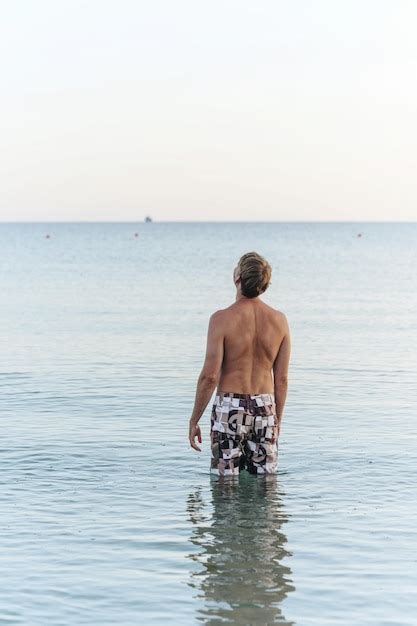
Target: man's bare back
<point>253,333</point>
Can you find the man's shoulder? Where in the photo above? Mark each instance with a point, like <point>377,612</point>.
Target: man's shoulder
<point>221,317</point>
<point>217,316</point>
<point>283,321</point>
<point>278,319</point>
<point>279,315</point>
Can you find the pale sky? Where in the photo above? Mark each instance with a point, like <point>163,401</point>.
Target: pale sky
<point>214,110</point>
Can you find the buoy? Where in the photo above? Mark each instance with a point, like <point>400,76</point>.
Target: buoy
<point>47,236</point>
<point>359,234</point>
<point>136,234</point>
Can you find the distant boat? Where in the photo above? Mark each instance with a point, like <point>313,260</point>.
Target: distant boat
<point>148,219</point>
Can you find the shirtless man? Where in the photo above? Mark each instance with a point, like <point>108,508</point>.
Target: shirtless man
<point>247,357</point>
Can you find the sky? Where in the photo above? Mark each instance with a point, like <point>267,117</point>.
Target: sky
<point>215,110</point>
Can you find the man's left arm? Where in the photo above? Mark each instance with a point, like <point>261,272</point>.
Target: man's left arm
<point>209,374</point>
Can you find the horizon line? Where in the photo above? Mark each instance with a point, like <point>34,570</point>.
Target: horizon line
<point>142,221</point>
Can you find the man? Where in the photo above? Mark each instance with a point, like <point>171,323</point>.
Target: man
<point>247,357</point>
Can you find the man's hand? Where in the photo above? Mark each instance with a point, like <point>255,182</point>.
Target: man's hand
<point>194,432</point>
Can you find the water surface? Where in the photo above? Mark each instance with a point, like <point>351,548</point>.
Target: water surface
<point>107,515</point>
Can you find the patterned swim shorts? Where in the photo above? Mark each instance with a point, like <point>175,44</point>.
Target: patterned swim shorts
<point>244,433</point>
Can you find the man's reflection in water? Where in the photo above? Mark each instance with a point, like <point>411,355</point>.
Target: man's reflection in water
<point>241,546</point>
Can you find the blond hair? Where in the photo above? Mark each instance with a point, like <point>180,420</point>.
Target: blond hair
<point>255,274</point>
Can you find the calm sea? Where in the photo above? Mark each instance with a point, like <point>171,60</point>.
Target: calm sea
<point>107,516</point>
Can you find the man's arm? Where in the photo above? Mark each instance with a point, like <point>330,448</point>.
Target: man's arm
<point>280,369</point>
<point>209,374</point>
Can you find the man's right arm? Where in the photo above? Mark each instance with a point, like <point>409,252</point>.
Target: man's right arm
<point>280,369</point>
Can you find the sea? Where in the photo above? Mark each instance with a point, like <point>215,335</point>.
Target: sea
<point>108,517</point>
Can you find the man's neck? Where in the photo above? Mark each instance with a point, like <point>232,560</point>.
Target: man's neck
<point>239,297</point>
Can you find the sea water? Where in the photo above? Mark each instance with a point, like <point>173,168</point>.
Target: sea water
<point>109,517</point>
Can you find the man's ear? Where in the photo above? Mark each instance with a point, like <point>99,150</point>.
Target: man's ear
<point>236,276</point>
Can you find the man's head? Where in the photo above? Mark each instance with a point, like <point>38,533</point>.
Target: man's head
<point>253,273</point>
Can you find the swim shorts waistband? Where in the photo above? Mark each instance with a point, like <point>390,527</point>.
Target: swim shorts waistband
<point>244,396</point>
